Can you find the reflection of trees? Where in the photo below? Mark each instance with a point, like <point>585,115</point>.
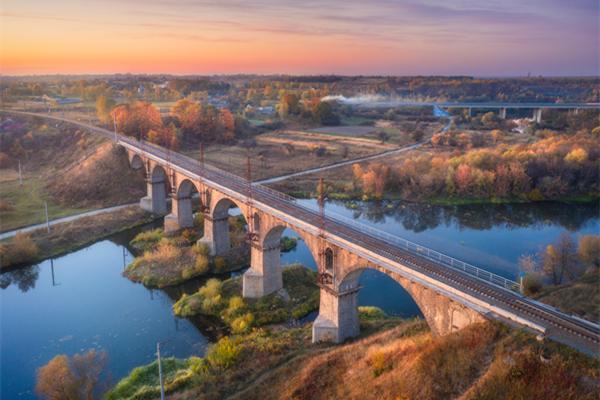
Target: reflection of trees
<point>24,278</point>
<point>419,217</point>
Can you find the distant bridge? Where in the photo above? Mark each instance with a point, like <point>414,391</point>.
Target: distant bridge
<point>450,293</point>
<point>502,107</point>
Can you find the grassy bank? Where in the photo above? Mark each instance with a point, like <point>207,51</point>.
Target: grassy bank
<point>69,236</point>
<point>391,359</point>
<point>173,259</point>
<point>224,300</point>
<point>581,295</point>
<point>71,170</point>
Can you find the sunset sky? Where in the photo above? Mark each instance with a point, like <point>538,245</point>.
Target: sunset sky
<point>351,37</point>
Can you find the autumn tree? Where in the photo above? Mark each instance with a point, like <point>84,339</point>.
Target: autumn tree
<point>464,179</point>
<point>138,118</point>
<point>417,135</point>
<point>560,259</point>
<point>104,107</point>
<point>179,108</point>
<point>589,250</point>
<point>383,136</point>
<point>78,378</point>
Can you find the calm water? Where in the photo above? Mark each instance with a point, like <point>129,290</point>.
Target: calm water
<point>79,301</point>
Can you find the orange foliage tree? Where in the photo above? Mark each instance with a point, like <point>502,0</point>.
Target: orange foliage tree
<point>133,120</point>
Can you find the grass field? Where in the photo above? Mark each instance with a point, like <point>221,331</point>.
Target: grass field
<point>27,203</point>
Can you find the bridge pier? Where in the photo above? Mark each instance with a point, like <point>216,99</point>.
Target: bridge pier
<point>537,115</point>
<point>503,113</point>
<point>338,315</point>
<point>216,233</point>
<point>182,215</point>
<point>156,201</point>
<point>469,111</point>
<point>264,277</point>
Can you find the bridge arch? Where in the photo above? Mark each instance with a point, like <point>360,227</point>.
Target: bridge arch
<point>182,215</point>
<point>338,311</point>
<point>216,222</point>
<point>137,162</point>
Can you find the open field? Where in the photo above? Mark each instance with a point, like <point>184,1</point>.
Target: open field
<point>352,130</point>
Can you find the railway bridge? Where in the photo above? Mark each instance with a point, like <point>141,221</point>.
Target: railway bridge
<point>450,293</point>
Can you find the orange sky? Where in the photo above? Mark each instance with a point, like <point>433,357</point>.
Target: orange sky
<point>549,37</point>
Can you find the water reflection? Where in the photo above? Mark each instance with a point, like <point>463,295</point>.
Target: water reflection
<point>419,217</point>
<point>24,278</point>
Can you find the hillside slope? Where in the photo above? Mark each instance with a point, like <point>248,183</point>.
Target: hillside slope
<point>104,179</point>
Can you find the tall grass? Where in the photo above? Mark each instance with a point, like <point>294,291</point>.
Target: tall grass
<point>21,250</point>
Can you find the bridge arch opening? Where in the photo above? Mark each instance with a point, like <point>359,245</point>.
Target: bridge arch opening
<point>137,162</point>
<point>265,275</point>
<point>216,227</point>
<point>381,290</point>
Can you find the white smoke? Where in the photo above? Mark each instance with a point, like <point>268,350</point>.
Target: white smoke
<point>356,100</point>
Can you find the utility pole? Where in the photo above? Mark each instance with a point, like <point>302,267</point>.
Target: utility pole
<point>20,174</point>
<point>162,386</point>
<point>115,121</point>
<point>47,219</point>
<point>90,115</point>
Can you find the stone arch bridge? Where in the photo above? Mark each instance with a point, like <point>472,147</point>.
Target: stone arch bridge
<point>446,306</point>
<point>450,293</point>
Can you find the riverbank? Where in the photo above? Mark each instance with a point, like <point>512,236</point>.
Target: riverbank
<point>69,236</point>
<point>392,358</point>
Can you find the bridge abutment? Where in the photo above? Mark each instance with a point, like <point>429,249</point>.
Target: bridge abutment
<point>338,315</point>
<point>156,200</point>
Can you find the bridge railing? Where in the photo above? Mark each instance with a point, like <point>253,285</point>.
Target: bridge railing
<point>423,251</point>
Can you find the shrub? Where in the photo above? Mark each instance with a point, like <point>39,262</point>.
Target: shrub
<point>21,250</point>
<point>369,313</point>
<point>148,238</point>
<point>532,284</point>
<point>222,356</point>
<point>220,263</point>
<point>212,288</point>
<point>378,363</point>
<point>535,195</point>
<point>210,304</point>
<point>201,265</point>
<point>188,234</point>
<point>243,324</point>
<point>201,249</point>
<point>5,206</point>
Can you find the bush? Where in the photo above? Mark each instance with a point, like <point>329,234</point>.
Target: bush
<point>220,263</point>
<point>148,238</point>
<point>370,313</point>
<point>201,249</point>
<point>213,288</point>
<point>532,284</point>
<point>222,356</point>
<point>243,324</point>
<point>5,206</point>
<point>21,250</point>
<point>188,234</point>
<point>201,265</point>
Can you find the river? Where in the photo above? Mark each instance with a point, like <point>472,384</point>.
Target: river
<point>79,301</point>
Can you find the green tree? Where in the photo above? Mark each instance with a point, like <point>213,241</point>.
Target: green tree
<point>104,107</point>
<point>37,90</point>
<point>323,114</point>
